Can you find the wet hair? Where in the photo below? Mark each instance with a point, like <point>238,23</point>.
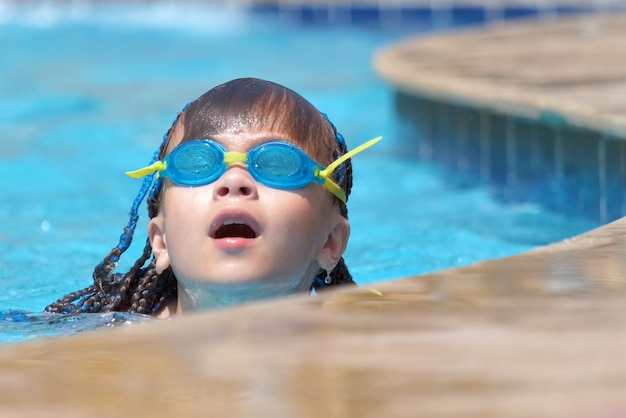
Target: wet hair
<point>238,106</point>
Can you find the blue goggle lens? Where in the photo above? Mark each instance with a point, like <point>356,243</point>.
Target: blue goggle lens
<point>281,165</point>
<point>277,164</point>
<point>195,163</point>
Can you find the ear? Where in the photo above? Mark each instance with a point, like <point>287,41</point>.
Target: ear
<point>158,241</point>
<point>335,243</point>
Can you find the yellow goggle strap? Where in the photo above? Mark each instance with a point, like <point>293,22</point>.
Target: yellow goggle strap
<point>323,174</point>
<point>142,172</point>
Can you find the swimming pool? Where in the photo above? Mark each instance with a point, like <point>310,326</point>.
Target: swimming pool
<point>85,98</point>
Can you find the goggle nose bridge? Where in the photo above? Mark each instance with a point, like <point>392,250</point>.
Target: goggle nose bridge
<point>231,157</point>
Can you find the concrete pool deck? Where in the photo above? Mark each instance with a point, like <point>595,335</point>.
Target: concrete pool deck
<point>540,334</point>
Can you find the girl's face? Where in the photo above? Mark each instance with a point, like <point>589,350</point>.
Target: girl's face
<point>236,230</point>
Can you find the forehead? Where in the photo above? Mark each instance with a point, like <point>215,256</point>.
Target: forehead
<point>242,138</point>
<point>245,141</point>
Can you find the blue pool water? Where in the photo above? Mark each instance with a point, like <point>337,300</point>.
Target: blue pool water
<point>85,98</point>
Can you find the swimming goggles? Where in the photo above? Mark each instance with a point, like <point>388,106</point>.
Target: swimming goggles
<point>278,164</point>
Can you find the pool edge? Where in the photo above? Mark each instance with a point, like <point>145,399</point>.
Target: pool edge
<point>526,335</point>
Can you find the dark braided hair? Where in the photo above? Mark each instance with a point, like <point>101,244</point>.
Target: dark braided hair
<point>340,274</point>
<point>141,289</point>
<point>246,103</point>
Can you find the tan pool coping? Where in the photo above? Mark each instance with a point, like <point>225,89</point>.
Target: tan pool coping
<point>563,70</point>
<point>540,334</point>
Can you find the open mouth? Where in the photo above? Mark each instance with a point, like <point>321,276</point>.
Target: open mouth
<point>234,229</point>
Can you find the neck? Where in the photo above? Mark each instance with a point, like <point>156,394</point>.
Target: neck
<point>209,295</point>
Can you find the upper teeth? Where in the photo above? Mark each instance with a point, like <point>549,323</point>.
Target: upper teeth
<point>234,222</point>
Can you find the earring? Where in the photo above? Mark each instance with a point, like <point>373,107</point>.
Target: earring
<point>328,279</point>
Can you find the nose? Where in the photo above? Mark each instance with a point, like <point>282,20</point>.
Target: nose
<point>236,182</point>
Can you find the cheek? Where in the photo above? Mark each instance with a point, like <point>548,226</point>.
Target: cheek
<point>301,215</point>
<point>184,209</point>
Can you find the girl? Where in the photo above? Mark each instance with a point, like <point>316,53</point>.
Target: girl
<point>246,201</point>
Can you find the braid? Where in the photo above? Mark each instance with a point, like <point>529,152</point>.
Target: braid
<point>65,305</point>
<point>141,289</point>
<point>339,274</point>
<point>153,291</point>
